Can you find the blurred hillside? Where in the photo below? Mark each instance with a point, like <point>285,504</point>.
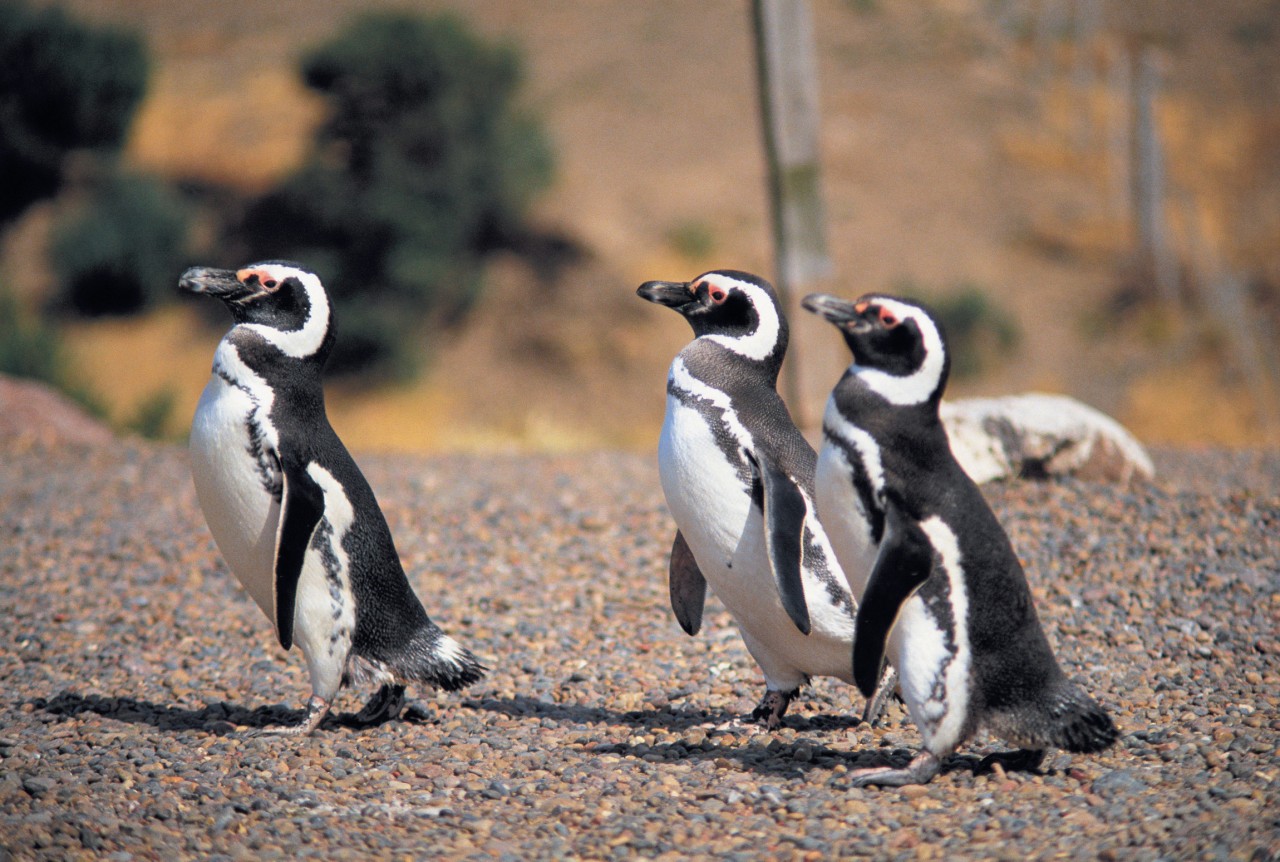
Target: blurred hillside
<point>965,142</point>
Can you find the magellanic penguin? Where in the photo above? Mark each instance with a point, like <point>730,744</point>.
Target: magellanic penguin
<point>947,599</point>
<point>290,510</point>
<point>738,479</point>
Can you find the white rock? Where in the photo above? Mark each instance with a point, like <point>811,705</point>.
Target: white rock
<point>1041,435</point>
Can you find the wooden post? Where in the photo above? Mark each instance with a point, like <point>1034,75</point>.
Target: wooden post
<point>1119,150</point>
<point>1155,259</point>
<point>1085,34</point>
<point>788,83</point>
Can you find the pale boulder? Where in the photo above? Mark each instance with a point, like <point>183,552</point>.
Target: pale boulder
<point>1037,435</point>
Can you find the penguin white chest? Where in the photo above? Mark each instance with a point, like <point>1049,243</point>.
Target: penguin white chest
<point>703,488</point>
<point>236,474</point>
<point>710,501</point>
<point>930,650</point>
<point>845,520</point>
<point>849,457</point>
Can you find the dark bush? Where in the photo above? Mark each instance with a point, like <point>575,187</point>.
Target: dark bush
<point>64,85</point>
<point>425,165</point>
<point>122,249</point>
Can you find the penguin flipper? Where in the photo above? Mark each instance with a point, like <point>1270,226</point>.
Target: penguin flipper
<point>902,567</point>
<point>301,507</point>
<point>687,585</point>
<point>784,513</point>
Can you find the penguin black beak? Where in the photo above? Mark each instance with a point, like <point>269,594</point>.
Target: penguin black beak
<point>842,313</point>
<point>672,294</point>
<point>221,283</point>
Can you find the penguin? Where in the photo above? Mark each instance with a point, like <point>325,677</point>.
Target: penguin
<point>291,512</point>
<point>946,599</point>
<point>738,479</point>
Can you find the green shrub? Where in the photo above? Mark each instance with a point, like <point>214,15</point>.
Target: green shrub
<point>692,240</point>
<point>424,166</point>
<point>121,251</point>
<point>150,418</point>
<point>32,349</point>
<point>64,85</point>
<point>28,347</point>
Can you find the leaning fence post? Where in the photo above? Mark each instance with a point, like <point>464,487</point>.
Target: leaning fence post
<point>788,84</point>
<point>1155,260</point>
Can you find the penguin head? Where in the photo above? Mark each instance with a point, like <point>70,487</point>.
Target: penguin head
<point>735,309</point>
<point>899,348</point>
<point>282,301</point>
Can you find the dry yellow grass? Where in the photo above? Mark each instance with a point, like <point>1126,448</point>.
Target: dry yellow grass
<point>1193,404</point>
<point>129,361</point>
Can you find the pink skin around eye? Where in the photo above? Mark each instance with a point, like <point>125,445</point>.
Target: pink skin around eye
<point>717,294</point>
<point>887,318</point>
<point>263,278</point>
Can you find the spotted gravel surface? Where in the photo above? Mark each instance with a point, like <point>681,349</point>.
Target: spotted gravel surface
<point>134,668</point>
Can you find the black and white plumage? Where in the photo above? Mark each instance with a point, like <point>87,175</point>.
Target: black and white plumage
<point>946,600</point>
<point>738,479</point>
<point>291,512</point>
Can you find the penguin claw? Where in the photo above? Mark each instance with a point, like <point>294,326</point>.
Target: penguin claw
<point>772,707</point>
<point>317,709</point>
<point>921,770</point>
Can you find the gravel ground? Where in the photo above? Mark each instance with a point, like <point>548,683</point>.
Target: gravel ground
<point>133,666</point>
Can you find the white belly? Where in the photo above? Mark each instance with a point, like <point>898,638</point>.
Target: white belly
<point>324,612</point>
<point>725,532</point>
<point>702,487</point>
<point>844,518</point>
<point>242,514</point>
<point>935,677</point>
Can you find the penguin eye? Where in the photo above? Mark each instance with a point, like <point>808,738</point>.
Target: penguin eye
<point>270,284</point>
<point>718,294</point>
<point>887,318</point>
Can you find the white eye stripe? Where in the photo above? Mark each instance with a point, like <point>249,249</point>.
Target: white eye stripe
<point>760,343</point>
<point>917,387</point>
<point>303,342</point>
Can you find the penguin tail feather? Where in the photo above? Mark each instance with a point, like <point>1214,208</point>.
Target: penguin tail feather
<point>1070,720</point>
<point>451,665</point>
<point>430,657</point>
<point>1076,722</point>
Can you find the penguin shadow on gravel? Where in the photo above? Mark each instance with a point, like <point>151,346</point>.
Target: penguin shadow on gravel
<point>762,752</point>
<point>523,706</point>
<point>671,717</point>
<point>219,719</point>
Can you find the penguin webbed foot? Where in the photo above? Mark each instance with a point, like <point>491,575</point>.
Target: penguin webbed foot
<point>772,707</point>
<point>317,709</point>
<point>921,770</point>
<point>385,705</point>
<point>1019,760</point>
